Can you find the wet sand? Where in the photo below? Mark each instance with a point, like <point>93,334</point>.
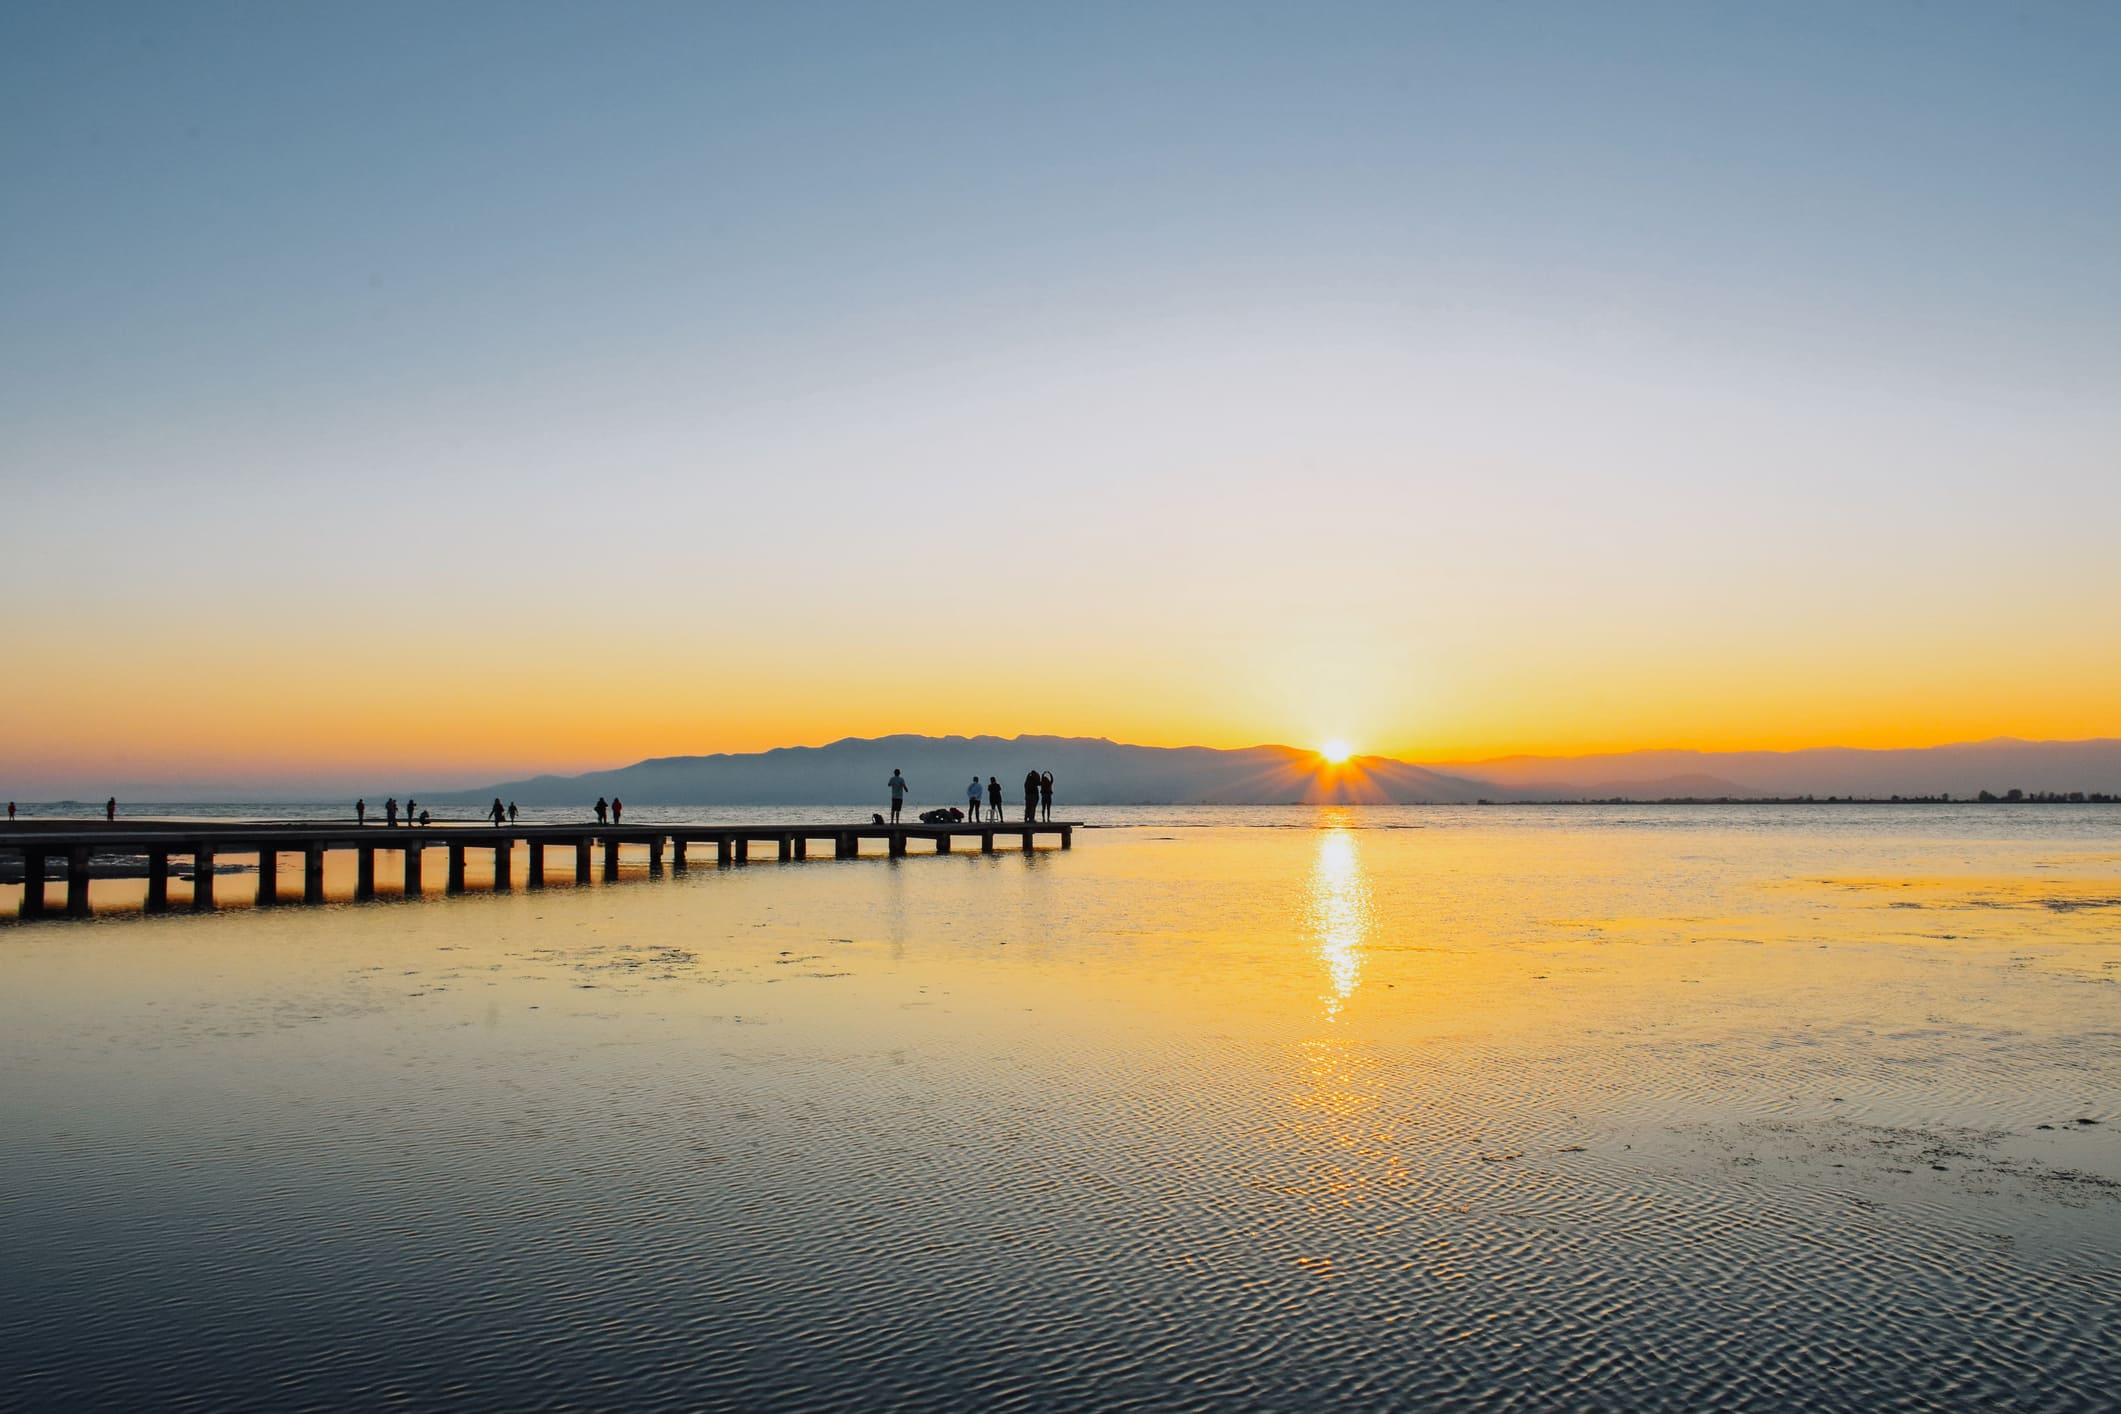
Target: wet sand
<point>1617,1110</point>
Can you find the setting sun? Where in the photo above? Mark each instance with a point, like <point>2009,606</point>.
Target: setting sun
<point>1336,751</point>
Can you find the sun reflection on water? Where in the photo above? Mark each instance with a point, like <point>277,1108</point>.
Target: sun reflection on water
<point>1341,914</point>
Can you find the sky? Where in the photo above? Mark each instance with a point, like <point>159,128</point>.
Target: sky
<point>413,393</point>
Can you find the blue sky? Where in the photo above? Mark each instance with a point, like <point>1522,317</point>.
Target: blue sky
<point>1223,302</point>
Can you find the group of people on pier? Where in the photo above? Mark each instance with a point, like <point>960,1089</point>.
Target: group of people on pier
<point>413,814</point>
<point>1038,799</point>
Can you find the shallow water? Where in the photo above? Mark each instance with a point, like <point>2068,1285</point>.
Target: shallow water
<point>1744,1107</point>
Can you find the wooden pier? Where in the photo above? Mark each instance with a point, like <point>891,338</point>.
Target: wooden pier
<point>51,850</point>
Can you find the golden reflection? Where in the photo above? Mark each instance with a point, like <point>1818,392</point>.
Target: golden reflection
<point>1340,911</point>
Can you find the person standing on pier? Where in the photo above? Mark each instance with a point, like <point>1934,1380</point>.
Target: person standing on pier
<point>411,809</point>
<point>897,786</point>
<point>972,800</point>
<point>1045,796</point>
<point>110,809</point>
<point>390,811</point>
<point>497,812</point>
<point>11,812</point>
<point>601,808</point>
<point>511,812</point>
<point>1030,796</point>
<point>360,811</point>
<point>994,800</point>
<point>618,808</point>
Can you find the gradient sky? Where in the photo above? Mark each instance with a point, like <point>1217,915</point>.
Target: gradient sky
<point>424,393</point>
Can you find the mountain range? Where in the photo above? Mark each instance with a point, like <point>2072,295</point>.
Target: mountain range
<point>1094,771</point>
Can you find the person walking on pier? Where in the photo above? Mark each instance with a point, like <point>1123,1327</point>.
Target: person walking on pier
<point>972,800</point>
<point>1045,796</point>
<point>897,786</point>
<point>1030,796</point>
<point>601,809</point>
<point>511,812</point>
<point>360,811</point>
<point>994,800</point>
<point>618,808</point>
<point>390,811</point>
<point>110,809</point>
<point>497,812</point>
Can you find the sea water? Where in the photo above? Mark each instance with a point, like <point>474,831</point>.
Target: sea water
<point>1738,1107</point>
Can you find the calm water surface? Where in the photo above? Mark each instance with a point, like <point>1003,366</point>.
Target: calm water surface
<point>1620,1108</point>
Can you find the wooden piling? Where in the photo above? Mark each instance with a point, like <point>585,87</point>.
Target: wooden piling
<point>202,878</point>
<point>268,876</point>
<point>504,858</point>
<point>413,860</point>
<point>33,861</point>
<point>158,881</point>
<point>77,881</point>
<point>455,884</point>
<point>313,874</point>
<point>364,871</point>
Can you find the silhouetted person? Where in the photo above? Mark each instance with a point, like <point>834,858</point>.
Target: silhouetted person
<point>11,812</point>
<point>972,800</point>
<point>360,812</point>
<point>497,812</point>
<point>618,808</point>
<point>994,800</point>
<point>1045,796</point>
<point>423,817</point>
<point>897,786</point>
<point>1030,796</point>
<point>511,812</point>
<point>390,811</point>
<point>410,806</point>
<point>601,808</point>
<point>110,808</point>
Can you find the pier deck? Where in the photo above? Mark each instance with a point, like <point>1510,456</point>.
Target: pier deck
<point>68,849</point>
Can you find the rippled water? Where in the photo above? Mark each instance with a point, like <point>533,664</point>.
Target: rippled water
<point>1742,1108</point>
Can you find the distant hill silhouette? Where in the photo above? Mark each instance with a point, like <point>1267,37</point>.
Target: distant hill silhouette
<point>1961,770</point>
<point>1093,771</point>
<point>1089,771</point>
